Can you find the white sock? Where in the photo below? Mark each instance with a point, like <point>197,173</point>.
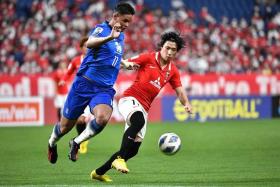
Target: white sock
<point>85,135</point>
<point>55,136</point>
<point>53,139</point>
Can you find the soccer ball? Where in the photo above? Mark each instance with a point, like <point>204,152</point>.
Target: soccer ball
<point>169,143</point>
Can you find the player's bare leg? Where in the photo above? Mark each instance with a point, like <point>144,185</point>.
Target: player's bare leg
<point>102,113</point>
<point>58,111</point>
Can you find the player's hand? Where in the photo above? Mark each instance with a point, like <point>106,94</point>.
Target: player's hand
<point>61,83</point>
<point>130,65</point>
<point>188,108</point>
<point>116,31</point>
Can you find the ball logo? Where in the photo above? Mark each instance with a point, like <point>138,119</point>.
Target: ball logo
<point>169,143</point>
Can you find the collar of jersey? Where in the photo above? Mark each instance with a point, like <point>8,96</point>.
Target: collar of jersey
<point>158,62</point>
<point>107,23</point>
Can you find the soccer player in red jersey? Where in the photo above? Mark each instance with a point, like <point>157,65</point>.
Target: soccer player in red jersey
<point>155,70</point>
<point>61,90</point>
<point>75,63</point>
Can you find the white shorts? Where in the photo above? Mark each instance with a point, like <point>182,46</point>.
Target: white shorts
<point>59,101</point>
<point>129,105</point>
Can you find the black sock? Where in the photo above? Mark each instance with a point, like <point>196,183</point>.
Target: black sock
<point>107,165</point>
<point>133,150</point>
<point>129,147</point>
<point>137,121</point>
<point>80,127</point>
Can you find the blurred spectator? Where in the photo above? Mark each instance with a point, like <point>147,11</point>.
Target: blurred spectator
<point>37,35</point>
<point>206,17</point>
<point>61,89</point>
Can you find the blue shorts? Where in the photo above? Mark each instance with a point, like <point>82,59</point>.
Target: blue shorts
<point>85,92</point>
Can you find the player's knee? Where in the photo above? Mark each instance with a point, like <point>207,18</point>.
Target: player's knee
<point>66,125</point>
<point>81,121</point>
<point>65,129</point>
<point>137,120</point>
<point>102,119</point>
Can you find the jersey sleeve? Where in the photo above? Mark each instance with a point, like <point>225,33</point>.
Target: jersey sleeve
<point>70,70</point>
<point>140,59</point>
<point>175,80</point>
<point>97,31</point>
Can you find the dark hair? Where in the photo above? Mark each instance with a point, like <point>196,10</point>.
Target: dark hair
<point>173,37</point>
<point>83,41</point>
<point>124,8</point>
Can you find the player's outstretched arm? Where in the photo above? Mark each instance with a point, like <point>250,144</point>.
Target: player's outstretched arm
<point>95,42</point>
<point>129,65</point>
<point>182,96</point>
<point>70,71</point>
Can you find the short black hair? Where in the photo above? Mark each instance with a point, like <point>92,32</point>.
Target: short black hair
<point>124,8</point>
<point>173,37</point>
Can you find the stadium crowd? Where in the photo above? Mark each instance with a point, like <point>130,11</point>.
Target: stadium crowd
<point>37,35</point>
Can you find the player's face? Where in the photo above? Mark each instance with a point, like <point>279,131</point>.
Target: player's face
<point>168,50</point>
<point>124,20</point>
<point>63,65</point>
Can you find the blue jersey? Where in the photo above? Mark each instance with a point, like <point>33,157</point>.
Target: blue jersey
<point>102,64</point>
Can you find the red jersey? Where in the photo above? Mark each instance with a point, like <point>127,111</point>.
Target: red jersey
<point>57,76</point>
<point>73,67</point>
<point>151,78</point>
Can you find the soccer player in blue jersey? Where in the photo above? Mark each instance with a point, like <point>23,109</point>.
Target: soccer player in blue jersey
<point>94,82</point>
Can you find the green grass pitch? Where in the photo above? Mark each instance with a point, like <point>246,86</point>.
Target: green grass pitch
<point>228,153</point>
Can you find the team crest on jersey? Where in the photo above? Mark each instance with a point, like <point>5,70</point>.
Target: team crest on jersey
<point>156,83</point>
<point>97,31</point>
<point>118,47</point>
